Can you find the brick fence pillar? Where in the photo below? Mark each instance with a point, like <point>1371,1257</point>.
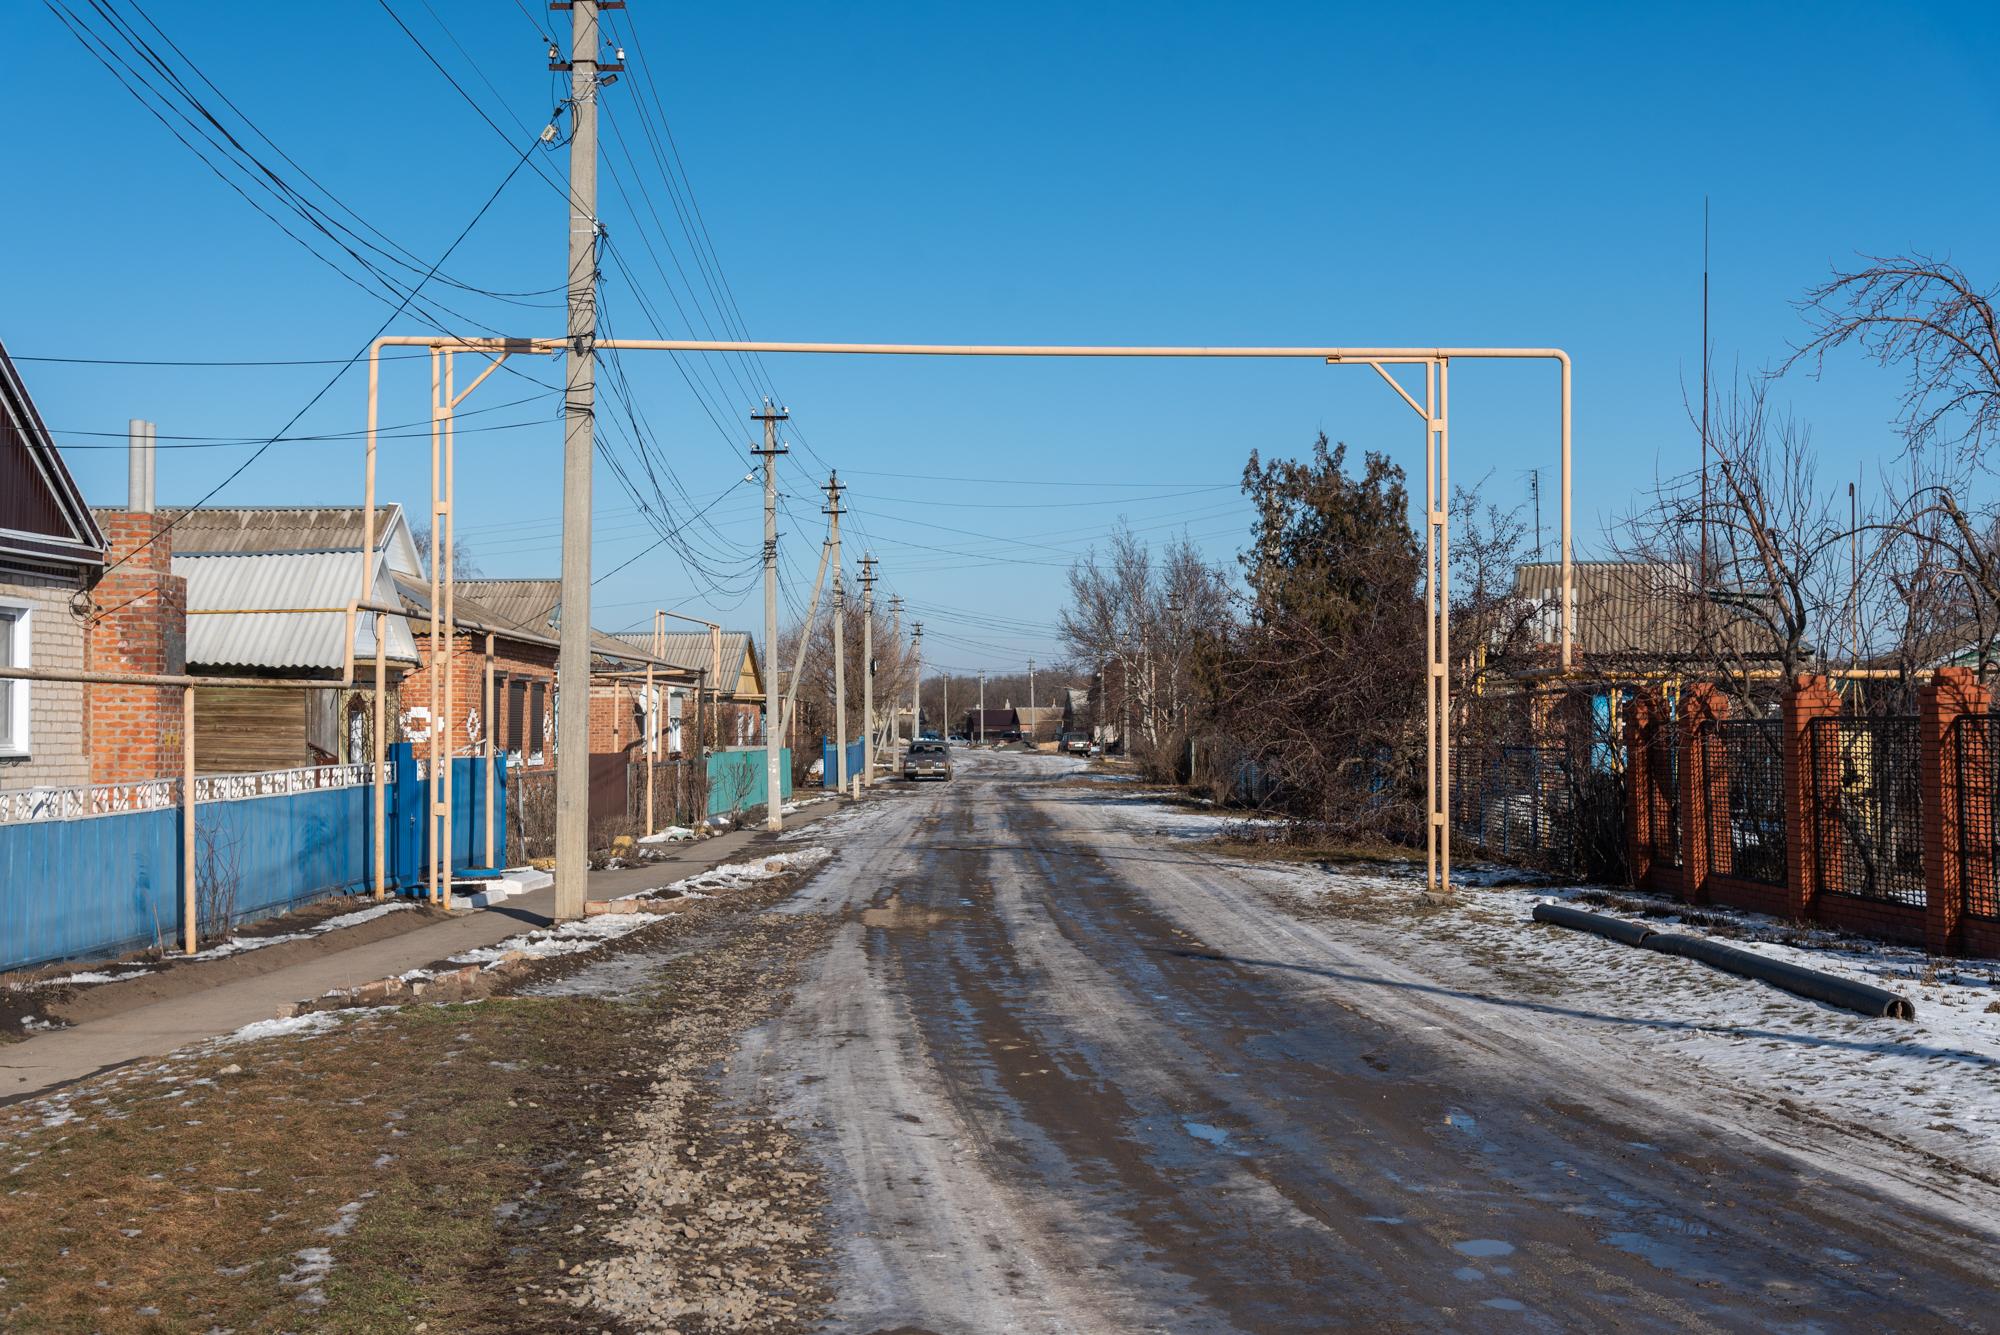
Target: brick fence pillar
<point>1812,799</point>
<point>1704,789</point>
<point>1956,815</point>
<point>1643,718</point>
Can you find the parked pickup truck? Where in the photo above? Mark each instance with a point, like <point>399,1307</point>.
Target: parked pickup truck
<point>927,760</point>
<point>1076,743</point>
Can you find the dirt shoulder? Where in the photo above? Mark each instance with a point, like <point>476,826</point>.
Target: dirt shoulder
<point>441,1167</point>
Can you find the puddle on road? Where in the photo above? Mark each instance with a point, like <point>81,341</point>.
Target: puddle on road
<point>1482,1247</point>
<point>894,915</point>
<point>1214,1135</point>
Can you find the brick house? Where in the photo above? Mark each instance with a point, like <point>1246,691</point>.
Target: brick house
<point>52,553</point>
<point>732,712</point>
<point>528,612</point>
<point>524,678</point>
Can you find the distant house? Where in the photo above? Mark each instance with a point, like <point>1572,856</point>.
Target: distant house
<point>993,725</point>
<point>52,553</point>
<point>620,715</point>
<point>736,709</point>
<point>1039,723</point>
<point>1076,715</point>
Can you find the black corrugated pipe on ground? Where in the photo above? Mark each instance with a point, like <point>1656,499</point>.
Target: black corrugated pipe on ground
<point>1629,933</point>
<point>1810,983</point>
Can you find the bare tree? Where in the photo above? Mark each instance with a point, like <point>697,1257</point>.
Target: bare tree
<point>1926,315</point>
<point>1744,565</point>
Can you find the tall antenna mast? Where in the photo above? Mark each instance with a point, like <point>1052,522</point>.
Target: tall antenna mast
<point>1705,359</point>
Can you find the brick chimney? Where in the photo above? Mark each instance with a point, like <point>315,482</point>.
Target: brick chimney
<point>138,624</point>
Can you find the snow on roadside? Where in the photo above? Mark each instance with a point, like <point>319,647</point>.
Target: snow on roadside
<point>1934,1081</point>
<point>568,938</point>
<point>573,938</point>
<point>236,945</point>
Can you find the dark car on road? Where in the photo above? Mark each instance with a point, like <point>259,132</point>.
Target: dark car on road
<point>927,760</point>
<point>1076,743</point>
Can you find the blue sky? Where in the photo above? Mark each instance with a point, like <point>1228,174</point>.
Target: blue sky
<point>1522,175</point>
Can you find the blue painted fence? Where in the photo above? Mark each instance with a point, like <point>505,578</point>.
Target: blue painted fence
<point>736,780</point>
<point>829,761</point>
<point>99,886</point>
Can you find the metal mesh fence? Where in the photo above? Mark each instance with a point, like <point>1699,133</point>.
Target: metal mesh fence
<point>1754,821</point>
<point>1975,752</point>
<point>1868,804</point>
<point>1548,807</point>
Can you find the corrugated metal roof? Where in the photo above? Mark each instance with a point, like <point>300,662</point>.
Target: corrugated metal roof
<point>289,640</point>
<point>692,650</point>
<point>471,613</point>
<point>250,529</point>
<point>528,603</point>
<point>1633,608</point>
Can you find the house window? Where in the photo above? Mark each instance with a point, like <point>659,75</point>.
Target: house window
<point>517,712</point>
<point>535,720</point>
<point>14,694</point>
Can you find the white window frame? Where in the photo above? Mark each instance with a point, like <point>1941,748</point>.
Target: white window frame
<point>23,617</point>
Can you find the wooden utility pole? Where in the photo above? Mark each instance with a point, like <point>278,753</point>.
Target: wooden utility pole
<point>868,671</point>
<point>774,801</point>
<point>832,508</point>
<point>579,393</point>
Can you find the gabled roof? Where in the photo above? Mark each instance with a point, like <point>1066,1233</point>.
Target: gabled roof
<point>742,674</point>
<point>238,530</point>
<point>42,515</point>
<point>531,604</point>
<point>528,609</point>
<point>1634,609</point>
<point>471,613</point>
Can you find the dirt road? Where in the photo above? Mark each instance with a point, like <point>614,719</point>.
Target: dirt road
<point>1065,1075</point>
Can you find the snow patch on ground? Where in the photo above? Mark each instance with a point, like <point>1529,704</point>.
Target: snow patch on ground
<point>672,834</point>
<point>736,875</point>
<point>1934,1081</point>
<point>236,945</point>
<point>568,938</point>
<point>310,1023</point>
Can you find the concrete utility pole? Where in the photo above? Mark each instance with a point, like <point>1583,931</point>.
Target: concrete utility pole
<point>1031,702</point>
<point>982,709</point>
<point>916,681</point>
<point>832,509</point>
<point>774,800</point>
<point>868,670</point>
<point>580,386</point>
<point>944,684</point>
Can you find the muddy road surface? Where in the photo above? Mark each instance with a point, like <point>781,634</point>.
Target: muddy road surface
<point>1063,1073</point>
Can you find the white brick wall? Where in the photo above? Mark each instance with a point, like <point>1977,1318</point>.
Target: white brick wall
<point>55,709</point>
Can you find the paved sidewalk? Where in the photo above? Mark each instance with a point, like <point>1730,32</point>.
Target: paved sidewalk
<point>63,1056</point>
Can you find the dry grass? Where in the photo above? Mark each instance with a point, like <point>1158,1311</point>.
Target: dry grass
<point>185,1195</point>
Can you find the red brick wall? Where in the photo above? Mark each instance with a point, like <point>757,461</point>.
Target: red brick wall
<point>139,625</point>
<point>467,726</point>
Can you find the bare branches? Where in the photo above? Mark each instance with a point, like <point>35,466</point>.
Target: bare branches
<point>1927,315</point>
